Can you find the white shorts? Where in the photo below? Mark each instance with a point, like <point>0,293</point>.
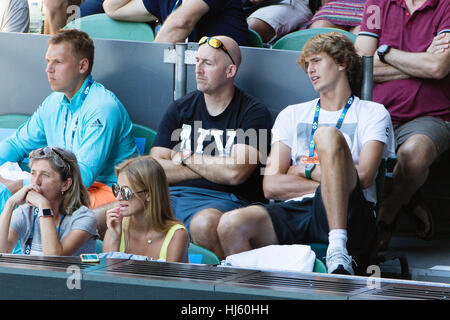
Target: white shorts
<point>284,17</point>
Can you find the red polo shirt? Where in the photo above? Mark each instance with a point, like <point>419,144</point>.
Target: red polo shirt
<point>394,25</point>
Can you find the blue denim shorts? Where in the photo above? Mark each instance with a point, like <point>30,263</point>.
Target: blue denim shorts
<point>187,201</point>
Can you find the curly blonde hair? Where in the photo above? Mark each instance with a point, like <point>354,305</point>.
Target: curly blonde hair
<point>341,49</point>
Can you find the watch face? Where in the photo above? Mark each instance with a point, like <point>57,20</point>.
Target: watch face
<point>383,48</point>
<point>47,212</point>
<point>309,166</point>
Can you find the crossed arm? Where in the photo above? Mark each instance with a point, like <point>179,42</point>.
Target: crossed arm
<point>127,10</point>
<point>177,26</point>
<point>232,170</point>
<point>284,181</point>
<point>434,63</point>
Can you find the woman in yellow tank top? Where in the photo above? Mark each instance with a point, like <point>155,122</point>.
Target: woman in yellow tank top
<point>143,223</point>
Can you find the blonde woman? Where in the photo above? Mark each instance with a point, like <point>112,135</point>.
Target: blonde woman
<point>52,217</point>
<point>143,222</point>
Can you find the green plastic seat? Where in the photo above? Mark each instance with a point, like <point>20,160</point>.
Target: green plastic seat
<point>13,121</point>
<point>255,39</point>
<point>102,26</point>
<point>144,138</point>
<point>296,40</point>
<point>319,266</point>
<point>198,254</point>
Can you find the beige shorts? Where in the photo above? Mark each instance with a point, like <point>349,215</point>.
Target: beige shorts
<point>284,17</point>
<point>436,129</point>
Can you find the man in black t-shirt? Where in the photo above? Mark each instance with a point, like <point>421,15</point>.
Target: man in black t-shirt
<point>211,143</point>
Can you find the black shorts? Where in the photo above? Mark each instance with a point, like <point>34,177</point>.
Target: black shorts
<point>303,222</point>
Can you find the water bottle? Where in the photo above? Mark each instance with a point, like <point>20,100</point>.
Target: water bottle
<point>35,16</point>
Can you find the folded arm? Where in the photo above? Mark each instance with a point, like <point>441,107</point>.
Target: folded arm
<point>127,10</point>
<point>232,170</point>
<point>283,181</point>
<point>434,63</point>
<point>180,23</point>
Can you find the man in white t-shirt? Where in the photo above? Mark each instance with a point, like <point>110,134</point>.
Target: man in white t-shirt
<point>324,160</point>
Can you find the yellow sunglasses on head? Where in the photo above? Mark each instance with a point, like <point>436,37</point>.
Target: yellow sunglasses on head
<point>216,44</point>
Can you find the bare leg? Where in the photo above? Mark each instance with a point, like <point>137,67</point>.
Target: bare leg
<point>12,185</point>
<point>414,158</point>
<point>245,229</point>
<point>265,30</point>
<point>327,24</point>
<point>203,229</point>
<point>339,175</point>
<point>56,14</point>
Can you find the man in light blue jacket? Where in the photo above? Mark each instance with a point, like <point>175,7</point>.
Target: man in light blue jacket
<point>80,115</point>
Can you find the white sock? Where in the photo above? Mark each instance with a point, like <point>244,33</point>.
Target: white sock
<point>337,238</point>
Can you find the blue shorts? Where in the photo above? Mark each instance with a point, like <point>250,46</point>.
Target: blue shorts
<point>187,201</point>
<point>89,7</point>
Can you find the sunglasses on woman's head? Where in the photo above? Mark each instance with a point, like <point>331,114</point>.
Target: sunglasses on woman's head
<point>124,191</point>
<point>47,152</point>
<point>216,44</point>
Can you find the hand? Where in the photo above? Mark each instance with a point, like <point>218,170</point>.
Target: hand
<point>20,196</point>
<point>176,158</point>
<point>36,199</point>
<point>114,223</point>
<point>440,43</point>
<point>297,170</point>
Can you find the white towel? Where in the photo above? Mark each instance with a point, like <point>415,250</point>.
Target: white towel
<point>296,257</point>
<point>12,171</point>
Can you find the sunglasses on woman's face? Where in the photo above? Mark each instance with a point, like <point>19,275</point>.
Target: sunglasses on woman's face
<point>125,192</point>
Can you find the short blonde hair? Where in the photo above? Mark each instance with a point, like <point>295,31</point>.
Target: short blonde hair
<point>341,49</point>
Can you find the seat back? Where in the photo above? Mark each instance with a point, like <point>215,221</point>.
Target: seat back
<point>198,254</point>
<point>254,39</point>
<point>319,266</point>
<point>102,26</point>
<point>144,138</point>
<point>296,40</point>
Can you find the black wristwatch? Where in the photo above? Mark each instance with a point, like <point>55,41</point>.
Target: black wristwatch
<point>45,213</point>
<point>382,51</point>
<point>309,167</point>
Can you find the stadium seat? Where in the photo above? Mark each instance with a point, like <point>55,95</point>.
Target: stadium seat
<point>144,137</point>
<point>102,26</point>
<point>296,40</point>
<point>255,39</point>
<point>198,254</point>
<point>319,266</point>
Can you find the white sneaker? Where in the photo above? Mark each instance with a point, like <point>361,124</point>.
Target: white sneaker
<point>338,261</point>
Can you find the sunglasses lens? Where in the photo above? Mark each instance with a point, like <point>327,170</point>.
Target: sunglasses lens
<point>215,43</point>
<point>115,190</point>
<point>126,193</point>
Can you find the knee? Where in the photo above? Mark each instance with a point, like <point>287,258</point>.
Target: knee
<point>328,140</point>
<point>204,223</point>
<point>229,223</point>
<point>415,156</point>
<point>322,24</point>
